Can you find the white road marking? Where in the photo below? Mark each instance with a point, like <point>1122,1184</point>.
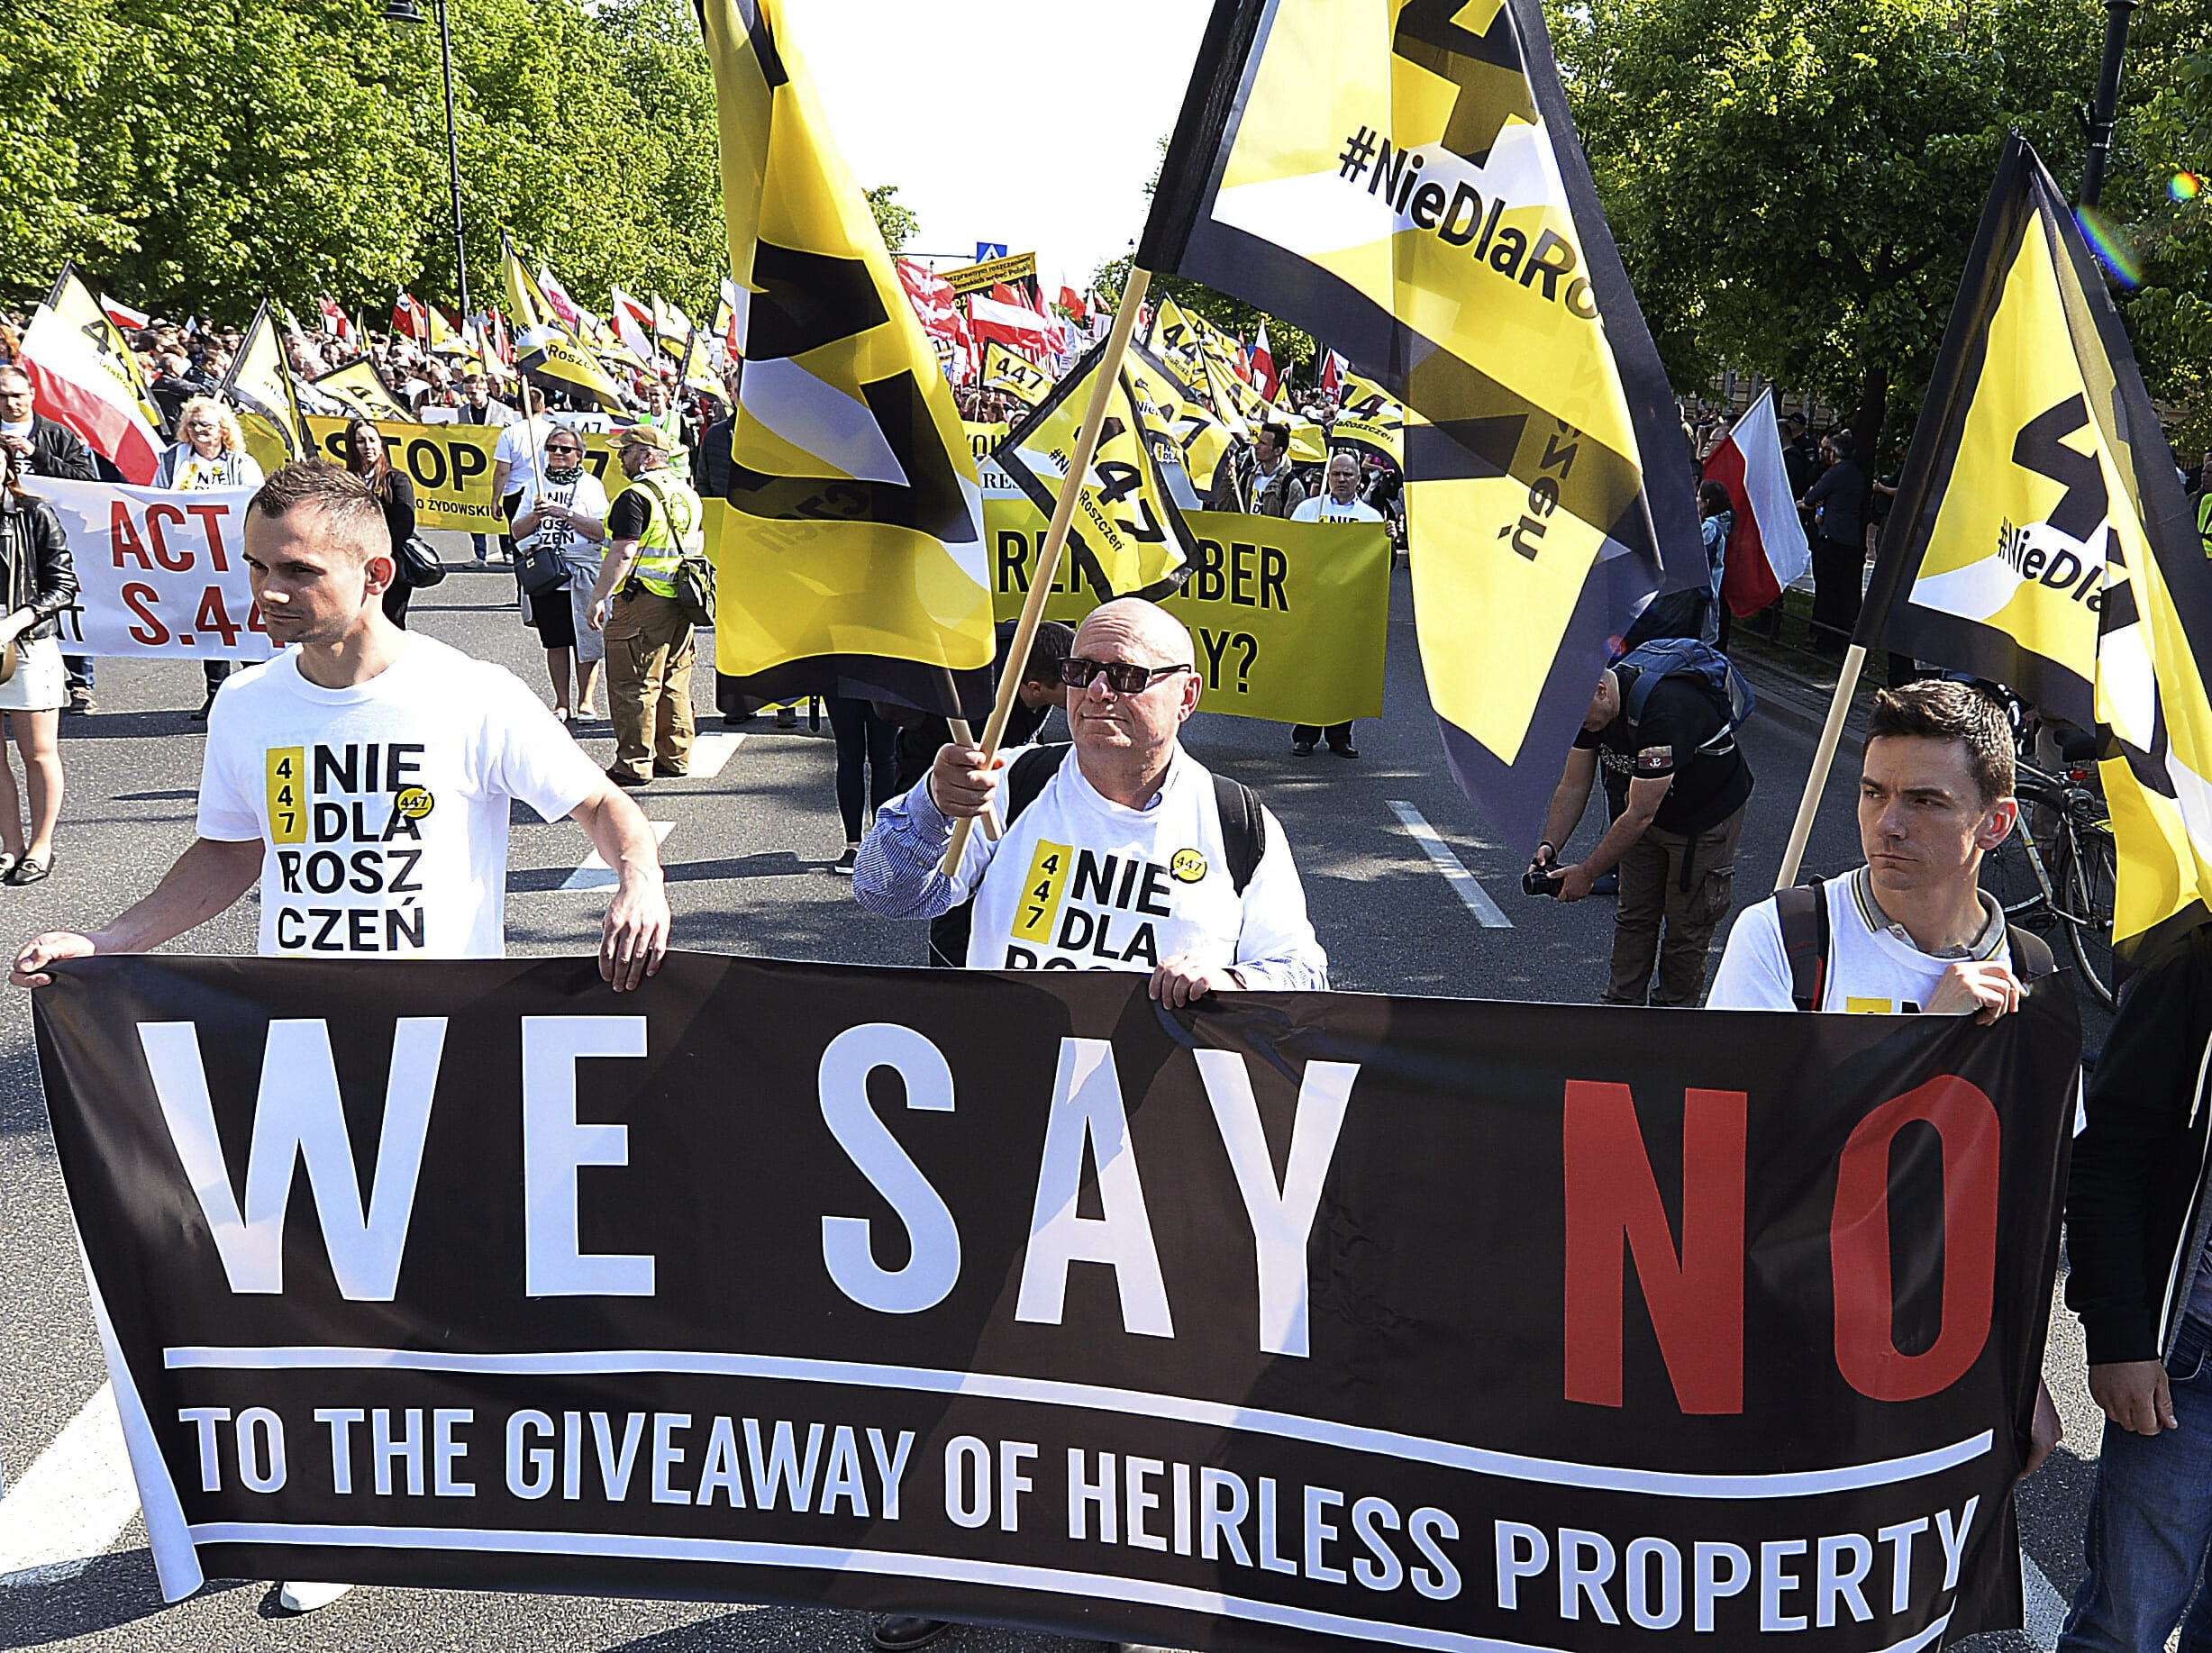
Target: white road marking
<point>70,1504</point>
<point>1464,882</point>
<point>2046,1608</point>
<point>597,875</point>
<point>710,752</point>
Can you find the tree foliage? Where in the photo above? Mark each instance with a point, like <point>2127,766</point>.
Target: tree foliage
<point>896,223</point>
<point>194,158</point>
<point>1795,188</point>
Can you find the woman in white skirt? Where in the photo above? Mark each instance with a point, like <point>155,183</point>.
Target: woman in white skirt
<point>564,510</point>
<point>40,582</point>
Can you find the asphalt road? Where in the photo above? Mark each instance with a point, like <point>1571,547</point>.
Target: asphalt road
<point>749,853</point>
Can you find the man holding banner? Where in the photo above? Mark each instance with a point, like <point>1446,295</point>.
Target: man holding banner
<point>389,737</point>
<point>1147,861</point>
<point>1143,864</point>
<point>1339,503</point>
<point>293,738</point>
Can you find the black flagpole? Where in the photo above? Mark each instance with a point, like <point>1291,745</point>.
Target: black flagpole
<point>2118,15</point>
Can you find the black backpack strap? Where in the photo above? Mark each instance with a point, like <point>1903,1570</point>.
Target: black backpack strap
<point>2031,954</point>
<point>1243,829</point>
<point>1028,775</point>
<point>949,930</point>
<point>1803,912</point>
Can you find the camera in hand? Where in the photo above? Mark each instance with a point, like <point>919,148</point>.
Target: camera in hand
<point>1539,881</point>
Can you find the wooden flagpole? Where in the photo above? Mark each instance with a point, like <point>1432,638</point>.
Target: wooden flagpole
<point>1047,566</point>
<point>1823,759</point>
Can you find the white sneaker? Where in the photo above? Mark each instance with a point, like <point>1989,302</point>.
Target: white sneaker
<point>306,1598</point>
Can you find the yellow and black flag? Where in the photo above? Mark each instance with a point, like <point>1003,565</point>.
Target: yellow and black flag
<point>1200,438</point>
<point>1430,214</point>
<point>854,528</point>
<point>359,388</point>
<point>543,346</point>
<point>1017,375</point>
<point>259,386</point>
<point>2041,539</point>
<point>1126,536</point>
<point>1174,337</point>
<point>1370,422</point>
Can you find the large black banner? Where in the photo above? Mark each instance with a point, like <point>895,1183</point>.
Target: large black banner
<point>1305,1317</point>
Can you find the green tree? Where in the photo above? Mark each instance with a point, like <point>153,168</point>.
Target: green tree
<point>2170,141</point>
<point>897,224</point>
<point>1795,188</point>
<point>191,160</point>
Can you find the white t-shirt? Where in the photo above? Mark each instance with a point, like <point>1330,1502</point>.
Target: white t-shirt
<point>190,471</point>
<point>1108,888</point>
<point>1873,967</point>
<point>1324,508</point>
<point>517,449</point>
<point>586,496</point>
<point>382,809</point>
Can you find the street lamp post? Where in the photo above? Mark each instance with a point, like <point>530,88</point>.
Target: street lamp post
<point>407,12</point>
<point>2102,114</point>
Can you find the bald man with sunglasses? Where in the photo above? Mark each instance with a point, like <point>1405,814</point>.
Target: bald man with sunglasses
<point>1133,857</point>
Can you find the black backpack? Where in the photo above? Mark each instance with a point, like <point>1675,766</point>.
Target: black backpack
<point>1244,836</point>
<point>1803,911</point>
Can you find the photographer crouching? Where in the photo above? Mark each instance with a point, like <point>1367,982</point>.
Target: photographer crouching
<point>1665,718</point>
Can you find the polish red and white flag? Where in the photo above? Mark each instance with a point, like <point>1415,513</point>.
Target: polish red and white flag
<point>73,386</point>
<point>1767,547</point>
<point>1013,325</point>
<point>1263,373</point>
<point>130,321</point>
<point>1333,370</point>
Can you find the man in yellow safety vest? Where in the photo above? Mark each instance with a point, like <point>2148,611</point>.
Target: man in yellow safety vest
<point>653,524</point>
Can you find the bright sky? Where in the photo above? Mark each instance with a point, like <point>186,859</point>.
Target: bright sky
<point>1037,124</point>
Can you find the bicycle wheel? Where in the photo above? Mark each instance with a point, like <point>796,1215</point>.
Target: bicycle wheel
<point>2085,886</point>
<point>2009,874</point>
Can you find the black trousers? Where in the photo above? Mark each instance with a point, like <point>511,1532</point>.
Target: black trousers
<point>1839,573</point>
<point>867,759</point>
<point>1339,735</point>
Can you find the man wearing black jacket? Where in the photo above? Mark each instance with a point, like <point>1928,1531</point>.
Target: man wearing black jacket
<point>52,448</point>
<point>2136,1225</point>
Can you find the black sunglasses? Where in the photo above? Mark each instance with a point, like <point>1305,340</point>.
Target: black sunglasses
<point>1122,677</point>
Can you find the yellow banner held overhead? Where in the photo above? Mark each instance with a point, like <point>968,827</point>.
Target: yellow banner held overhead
<point>1127,535</point>
<point>981,277</point>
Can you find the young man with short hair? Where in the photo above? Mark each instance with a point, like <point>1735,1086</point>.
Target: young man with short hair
<point>364,780</point>
<point>1911,930</point>
<point>385,750</point>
